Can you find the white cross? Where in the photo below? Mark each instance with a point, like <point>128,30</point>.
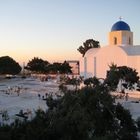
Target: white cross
<point>120,17</point>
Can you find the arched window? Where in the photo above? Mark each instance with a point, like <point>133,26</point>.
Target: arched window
<point>115,40</point>
<point>129,41</point>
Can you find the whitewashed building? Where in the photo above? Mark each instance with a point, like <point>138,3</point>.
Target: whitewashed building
<point>120,51</point>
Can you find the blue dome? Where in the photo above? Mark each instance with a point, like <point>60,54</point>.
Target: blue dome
<point>120,25</point>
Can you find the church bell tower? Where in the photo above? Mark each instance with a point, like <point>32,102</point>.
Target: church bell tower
<point>120,34</point>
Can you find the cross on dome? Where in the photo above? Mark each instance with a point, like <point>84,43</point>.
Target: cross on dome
<point>120,18</point>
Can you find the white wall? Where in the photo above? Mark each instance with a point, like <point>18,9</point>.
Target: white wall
<point>134,62</point>
<point>104,57</point>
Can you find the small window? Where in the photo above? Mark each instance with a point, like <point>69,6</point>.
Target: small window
<point>115,40</point>
<point>129,41</point>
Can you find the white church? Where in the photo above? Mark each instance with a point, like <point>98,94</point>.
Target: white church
<point>120,51</point>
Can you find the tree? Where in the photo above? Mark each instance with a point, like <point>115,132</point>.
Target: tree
<point>74,81</point>
<point>91,82</point>
<point>86,114</point>
<point>37,65</point>
<point>90,113</point>
<point>112,78</point>
<point>127,128</point>
<point>124,73</point>
<point>9,66</point>
<point>54,68</point>
<point>41,66</point>
<point>65,68</point>
<point>129,75</point>
<point>88,44</point>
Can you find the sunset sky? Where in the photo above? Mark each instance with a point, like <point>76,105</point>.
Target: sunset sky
<point>54,29</point>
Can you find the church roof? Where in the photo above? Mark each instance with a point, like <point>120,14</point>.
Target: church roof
<point>131,50</point>
<point>120,25</point>
<point>92,51</point>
